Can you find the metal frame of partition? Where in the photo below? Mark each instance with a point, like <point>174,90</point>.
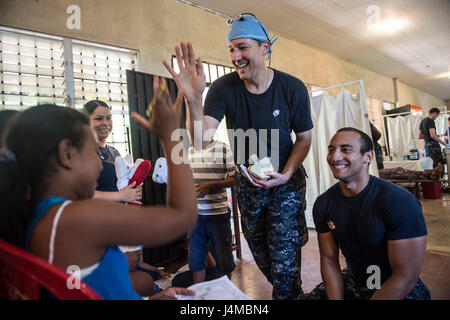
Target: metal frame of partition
<point>361,83</point>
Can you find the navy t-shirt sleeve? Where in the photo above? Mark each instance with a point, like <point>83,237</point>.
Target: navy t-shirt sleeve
<point>429,124</point>
<point>215,101</point>
<point>301,120</point>
<point>404,218</point>
<point>320,219</point>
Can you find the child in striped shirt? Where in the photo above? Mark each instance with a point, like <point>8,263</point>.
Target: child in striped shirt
<point>213,172</point>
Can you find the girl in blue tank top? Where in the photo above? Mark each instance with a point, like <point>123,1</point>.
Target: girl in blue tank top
<point>49,166</point>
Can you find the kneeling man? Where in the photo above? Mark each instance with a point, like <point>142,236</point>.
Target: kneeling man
<point>379,227</point>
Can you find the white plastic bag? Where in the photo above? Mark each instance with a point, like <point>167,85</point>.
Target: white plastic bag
<point>427,163</point>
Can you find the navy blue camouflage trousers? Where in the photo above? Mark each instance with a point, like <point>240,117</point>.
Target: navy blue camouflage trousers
<point>434,152</point>
<point>274,225</point>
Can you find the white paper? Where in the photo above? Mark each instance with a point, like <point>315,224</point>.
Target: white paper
<point>218,289</point>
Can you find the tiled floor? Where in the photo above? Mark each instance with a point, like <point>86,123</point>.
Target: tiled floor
<point>435,270</point>
<point>254,284</point>
<point>436,266</point>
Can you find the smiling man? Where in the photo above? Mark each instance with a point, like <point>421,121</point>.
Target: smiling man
<point>379,227</point>
<point>271,104</point>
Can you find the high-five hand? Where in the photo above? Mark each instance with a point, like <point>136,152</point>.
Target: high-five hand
<point>166,116</point>
<point>191,79</point>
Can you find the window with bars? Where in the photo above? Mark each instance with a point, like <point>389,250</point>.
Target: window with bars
<point>388,105</point>
<point>99,73</point>
<point>36,68</point>
<point>212,72</point>
<point>31,71</point>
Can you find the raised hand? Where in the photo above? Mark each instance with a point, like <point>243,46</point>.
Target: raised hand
<point>166,116</point>
<point>191,79</point>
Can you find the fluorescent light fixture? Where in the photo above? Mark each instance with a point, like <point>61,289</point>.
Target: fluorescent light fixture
<point>442,75</point>
<point>391,25</point>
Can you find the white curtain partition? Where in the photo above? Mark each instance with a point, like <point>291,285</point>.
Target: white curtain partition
<point>404,131</point>
<point>441,123</point>
<point>330,114</point>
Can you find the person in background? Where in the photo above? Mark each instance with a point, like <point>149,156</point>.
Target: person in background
<point>101,121</point>
<point>446,135</point>
<point>49,168</point>
<point>427,131</point>
<point>213,171</point>
<point>186,279</point>
<point>376,135</point>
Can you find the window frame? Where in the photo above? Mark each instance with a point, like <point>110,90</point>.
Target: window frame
<point>66,88</point>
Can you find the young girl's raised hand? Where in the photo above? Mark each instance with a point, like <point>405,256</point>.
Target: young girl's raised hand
<point>165,115</point>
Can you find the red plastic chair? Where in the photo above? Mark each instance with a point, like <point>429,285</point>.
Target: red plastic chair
<point>22,275</point>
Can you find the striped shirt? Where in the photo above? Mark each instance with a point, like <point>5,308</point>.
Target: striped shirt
<point>213,163</point>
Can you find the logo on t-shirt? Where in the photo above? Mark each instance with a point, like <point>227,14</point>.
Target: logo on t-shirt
<point>276,113</point>
<point>331,225</point>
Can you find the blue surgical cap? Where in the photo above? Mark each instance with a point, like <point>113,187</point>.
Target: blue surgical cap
<point>249,27</point>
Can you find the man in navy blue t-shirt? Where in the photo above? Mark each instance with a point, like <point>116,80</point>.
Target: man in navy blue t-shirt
<point>262,107</point>
<point>379,227</point>
<point>427,131</point>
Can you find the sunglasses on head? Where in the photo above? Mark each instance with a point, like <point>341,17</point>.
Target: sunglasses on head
<point>242,17</point>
